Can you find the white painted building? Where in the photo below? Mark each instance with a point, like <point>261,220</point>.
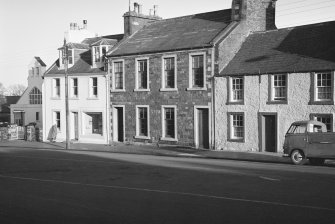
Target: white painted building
<point>28,109</point>
<point>87,90</point>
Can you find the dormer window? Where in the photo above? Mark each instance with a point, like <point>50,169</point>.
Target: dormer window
<point>96,52</point>
<point>99,52</point>
<point>69,56</point>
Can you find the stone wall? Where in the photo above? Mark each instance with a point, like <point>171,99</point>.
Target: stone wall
<point>256,100</point>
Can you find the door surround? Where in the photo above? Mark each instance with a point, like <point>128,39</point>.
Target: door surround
<point>261,130</point>
<point>196,126</point>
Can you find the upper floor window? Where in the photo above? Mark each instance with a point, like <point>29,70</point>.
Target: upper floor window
<point>35,96</point>
<point>324,86</point>
<point>33,71</point>
<point>69,56</point>
<point>278,87</point>
<point>96,52</point>
<point>118,75</point>
<point>56,87</point>
<point>142,74</point>
<point>37,71</point>
<point>197,71</point>
<point>236,89</point>
<point>169,76</point>
<point>74,87</point>
<point>94,87</point>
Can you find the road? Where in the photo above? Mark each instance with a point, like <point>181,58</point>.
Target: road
<point>57,186</point>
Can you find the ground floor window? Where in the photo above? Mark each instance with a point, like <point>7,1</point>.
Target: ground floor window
<point>142,121</point>
<point>327,119</point>
<point>236,126</point>
<point>93,123</point>
<point>169,122</point>
<point>18,118</point>
<point>57,120</point>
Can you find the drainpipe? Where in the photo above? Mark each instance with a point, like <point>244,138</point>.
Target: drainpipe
<point>107,76</point>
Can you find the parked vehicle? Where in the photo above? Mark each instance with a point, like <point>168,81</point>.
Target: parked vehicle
<point>309,140</point>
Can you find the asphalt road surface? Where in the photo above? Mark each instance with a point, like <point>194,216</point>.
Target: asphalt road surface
<point>50,186</point>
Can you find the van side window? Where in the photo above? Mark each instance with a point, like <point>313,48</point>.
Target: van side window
<point>297,129</point>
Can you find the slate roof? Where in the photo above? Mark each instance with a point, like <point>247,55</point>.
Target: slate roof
<point>298,49</point>
<point>40,61</point>
<point>187,32</point>
<point>84,64</point>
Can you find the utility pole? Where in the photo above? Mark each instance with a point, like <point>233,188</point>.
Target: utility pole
<point>65,57</point>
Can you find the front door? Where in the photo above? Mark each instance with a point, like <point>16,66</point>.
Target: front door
<point>203,128</point>
<point>118,127</point>
<point>269,133</point>
<point>75,125</point>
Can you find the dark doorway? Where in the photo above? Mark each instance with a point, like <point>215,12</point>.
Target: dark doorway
<point>269,133</point>
<point>118,121</point>
<point>203,128</point>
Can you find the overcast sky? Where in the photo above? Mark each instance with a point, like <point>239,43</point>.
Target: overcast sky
<point>36,27</point>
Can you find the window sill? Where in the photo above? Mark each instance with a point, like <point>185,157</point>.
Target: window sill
<point>74,98</point>
<point>326,102</point>
<point>168,90</point>
<point>55,98</point>
<point>169,139</point>
<point>235,103</point>
<point>92,98</point>
<point>241,140</point>
<point>142,137</point>
<point>141,90</point>
<point>118,90</point>
<point>277,102</point>
<point>196,89</point>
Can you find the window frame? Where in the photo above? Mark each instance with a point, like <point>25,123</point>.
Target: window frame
<point>314,95</point>
<point>114,76</point>
<point>190,71</point>
<point>272,87</point>
<point>163,116</point>
<point>230,90</point>
<point>92,88</point>
<point>138,107</point>
<point>56,90</point>
<point>231,136</point>
<point>137,89</point>
<point>73,87</point>
<point>35,98</point>
<point>164,88</point>
<point>313,116</point>
<point>57,121</point>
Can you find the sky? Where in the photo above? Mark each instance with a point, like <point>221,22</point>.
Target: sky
<point>36,27</point>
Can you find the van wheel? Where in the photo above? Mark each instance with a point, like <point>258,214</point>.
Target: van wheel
<point>316,161</point>
<point>298,157</point>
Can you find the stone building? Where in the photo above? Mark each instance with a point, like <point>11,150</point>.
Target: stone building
<point>162,72</point>
<point>276,78</point>
<point>88,88</point>
<point>28,109</point>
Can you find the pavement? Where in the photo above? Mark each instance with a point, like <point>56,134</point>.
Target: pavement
<point>149,149</point>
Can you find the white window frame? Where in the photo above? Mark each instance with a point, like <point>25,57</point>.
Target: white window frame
<point>72,88</point>
<point>113,75</point>
<point>190,71</point>
<point>96,51</point>
<point>136,74</point>
<point>272,88</point>
<point>315,88</point>
<point>59,129</point>
<point>231,92</point>
<point>54,89</point>
<point>137,123</point>
<point>164,137</point>
<point>314,116</point>
<point>91,95</point>
<point>163,87</point>
<point>231,135</point>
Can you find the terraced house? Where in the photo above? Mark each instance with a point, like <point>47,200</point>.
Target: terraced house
<point>276,78</point>
<point>88,88</point>
<point>162,72</point>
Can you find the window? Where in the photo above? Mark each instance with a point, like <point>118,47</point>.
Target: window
<point>56,87</point>
<point>57,120</point>
<point>69,56</point>
<point>324,87</point>
<point>104,50</point>
<point>236,126</point>
<point>94,87</point>
<point>33,71</point>
<point>169,123</point>
<point>74,87</point>
<point>37,71</point>
<point>117,76</point>
<point>197,71</point>
<point>93,123</point>
<point>142,76</point>
<point>327,119</point>
<point>279,87</point>
<point>169,71</point>
<point>142,122</point>
<point>236,89</point>
<point>37,116</point>
<point>96,52</point>
<point>35,96</point>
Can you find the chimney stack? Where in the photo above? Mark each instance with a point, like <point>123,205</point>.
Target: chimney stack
<point>155,10</point>
<point>85,24</point>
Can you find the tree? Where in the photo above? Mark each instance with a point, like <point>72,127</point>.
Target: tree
<point>15,90</point>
